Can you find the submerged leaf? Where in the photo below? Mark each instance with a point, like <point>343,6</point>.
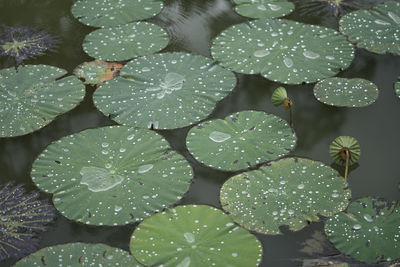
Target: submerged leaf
<point>263,8</point>
<point>96,72</point>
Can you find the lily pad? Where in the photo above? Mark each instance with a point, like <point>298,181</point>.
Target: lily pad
<point>32,97</point>
<point>397,87</point>
<point>377,30</point>
<point>111,176</point>
<point>194,235</point>
<point>126,41</point>
<point>283,51</point>
<point>342,92</point>
<point>339,145</point>
<point>368,231</point>
<point>77,255</point>
<point>96,72</point>
<point>164,91</point>
<point>106,13</point>
<point>241,140</point>
<point>263,8</point>
<point>290,192</point>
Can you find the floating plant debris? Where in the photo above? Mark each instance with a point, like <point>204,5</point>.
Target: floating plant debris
<point>96,72</point>
<point>194,235</point>
<point>112,175</point>
<point>263,8</point>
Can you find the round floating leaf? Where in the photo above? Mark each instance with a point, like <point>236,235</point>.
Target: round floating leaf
<point>164,91</point>
<point>22,218</point>
<point>125,41</point>
<point>99,13</point>
<point>283,50</point>
<point>336,150</point>
<point>368,231</point>
<point>278,96</point>
<point>194,236</point>
<point>377,30</point>
<point>96,72</point>
<point>32,97</point>
<point>344,92</point>
<point>241,140</point>
<point>112,175</point>
<point>263,8</point>
<point>397,87</point>
<point>291,191</point>
<point>79,254</point>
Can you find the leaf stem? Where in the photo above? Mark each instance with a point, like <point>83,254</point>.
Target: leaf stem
<point>347,164</point>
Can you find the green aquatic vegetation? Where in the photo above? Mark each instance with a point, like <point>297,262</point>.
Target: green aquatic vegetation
<point>263,8</point>
<point>283,51</point>
<point>164,91</point>
<point>279,97</point>
<point>368,230</point>
<point>112,175</point>
<point>97,72</point>
<point>345,151</point>
<point>116,43</point>
<point>241,140</point>
<point>79,254</point>
<point>194,235</point>
<point>22,218</point>
<point>289,192</point>
<point>342,92</point>
<point>107,13</point>
<point>33,96</point>
<point>377,30</point>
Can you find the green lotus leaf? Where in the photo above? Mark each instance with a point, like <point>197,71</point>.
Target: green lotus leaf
<point>290,192</point>
<point>77,255</point>
<point>397,87</point>
<point>96,72</point>
<point>283,51</point>
<point>111,176</point>
<point>164,91</point>
<point>107,13</point>
<point>377,30</point>
<point>33,96</point>
<point>344,92</point>
<point>368,231</point>
<point>241,140</point>
<point>263,8</point>
<point>278,96</point>
<point>345,142</point>
<point>194,235</point>
<point>126,41</point>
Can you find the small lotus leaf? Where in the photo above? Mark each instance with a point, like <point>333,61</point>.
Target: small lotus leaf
<point>111,176</point>
<point>241,140</point>
<point>78,255</point>
<point>278,96</point>
<point>126,41</point>
<point>107,13</point>
<point>345,142</point>
<point>164,91</point>
<point>283,51</point>
<point>377,30</point>
<point>96,72</point>
<point>368,231</point>
<point>263,8</point>
<point>344,92</point>
<point>290,192</point>
<point>194,235</point>
<point>33,96</point>
<point>397,87</point>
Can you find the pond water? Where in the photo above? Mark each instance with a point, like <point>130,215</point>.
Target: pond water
<point>192,24</point>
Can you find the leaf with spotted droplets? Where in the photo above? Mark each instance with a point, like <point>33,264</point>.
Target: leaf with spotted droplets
<point>397,87</point>
<point>79,254</point>
<point>106,13</point>
<point>111,176</point>
<point>32,97</point>
<point>377,30</point>
<point>289,192</point>
<point>283,51</point>
<point>96,72</point>
<point>342,92</point>
<point>241,140</point>
<point>368,231</point>
<point>263,8</point>
<point>164,91</point>
<point>194,235</point>
<point>126,41</point>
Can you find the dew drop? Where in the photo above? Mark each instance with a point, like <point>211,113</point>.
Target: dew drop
<point>394,17</point>
<point>381,22</point>
<point>234,254</point>
<point>104,144</point>
<point>117,208</point>
<point>261,53</point>
<point>335,195</point>
<point>189,237</point>
<point>288,62</point>
<point>300,186</point>
<point>129,138</point>
<point>274,7</point>
<point>219,137</point>
<point>356,227</point>
<point>185,262</point>
<point>145,168</point>
<point>311,55</point>
<point>145,69</point>
<point>261,7</point>
<point>368,218</point>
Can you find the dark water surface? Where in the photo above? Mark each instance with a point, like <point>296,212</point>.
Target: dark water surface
<point>192,24</point>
